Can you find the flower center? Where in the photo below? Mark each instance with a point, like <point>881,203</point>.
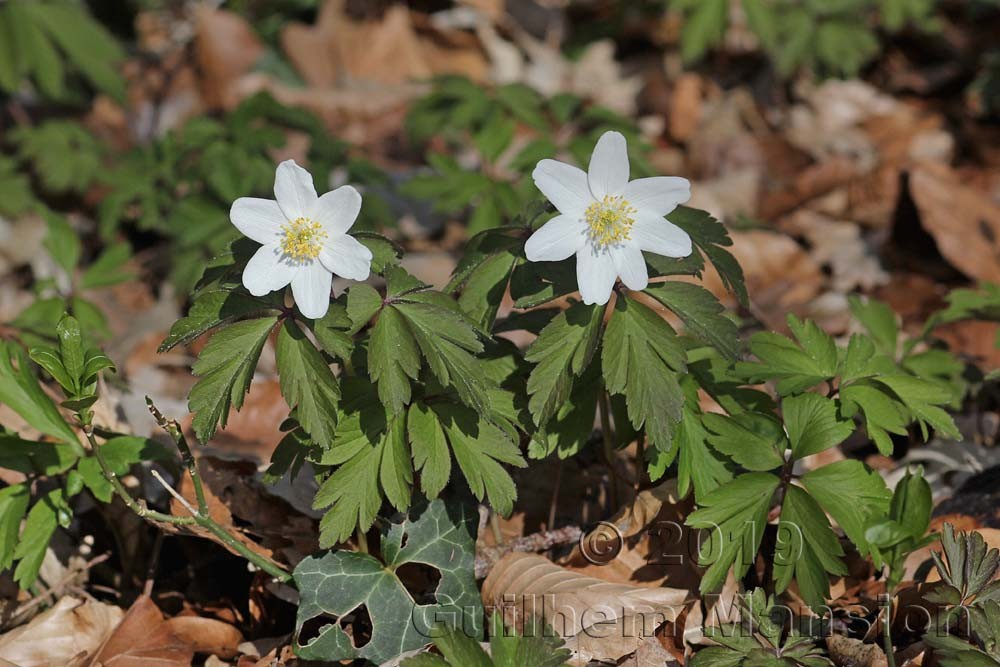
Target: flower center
<point>303,239</point>
<point>610,221</point>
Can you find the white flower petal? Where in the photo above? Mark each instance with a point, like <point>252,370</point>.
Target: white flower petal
<point>564,185</point>
<point>257,219</point>
<point>609,169</point>
<point>659,195</point>
<point>595,275</point>
<point>654,233</point>
<point>311,289</point>
<point>294,190</point>
<point>267,271</point>
<point>631,266</point>
<point>347,257</point>
<point>557,239</point>
<point>337,210</point>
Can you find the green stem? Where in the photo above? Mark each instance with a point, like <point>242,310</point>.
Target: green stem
<point>362,539</point>
<point>139,508</point>
<point>887,634</point>
<point>609,448</point>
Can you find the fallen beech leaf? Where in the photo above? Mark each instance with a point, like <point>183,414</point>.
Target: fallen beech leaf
<point>964,221</point>
<point>70,628</point>
<point>207,635</point>
<point>227,48</point>
<point>143,639</point>
<point>598,620</point>
<point>848,652</point>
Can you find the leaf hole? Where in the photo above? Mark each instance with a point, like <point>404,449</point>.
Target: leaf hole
<point>421,581</point>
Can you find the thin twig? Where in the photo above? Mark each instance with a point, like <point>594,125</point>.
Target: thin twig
<point>487,557</point>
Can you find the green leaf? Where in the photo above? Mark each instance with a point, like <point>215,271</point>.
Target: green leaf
<point>880,322</point>
<point>704,29</point>
<point>753,440</point>
<point>49,359</point>
<point>736,514</point>
<point>796,367</point>
<point>642,358</point>
<point>62,242</point>
<point>808,548</point>
<point>108,269</point>
<point>923,399</point>
<point>813,424</point>
<point>21,392</point>
<point>13,506</point>
<point>45,515</point>
<point>431,455</point>
<point>35,458</point>
<point>480,448</point>
<point>697,465</point>
<point>852,493</point>
<point>912,503</point>
<point>71,349</point>
<point>562,351</point>
<point>883,414</point>
<point>225,368</point>
<point>711,239</point>
<point>307,383</point>
<point>437,535</point>
<point>701,313</point>
<point>120,453</point>
<point>363,302</point>
<point>535,645</point>
<point>485,288</point>
<point>214,308</point>
<point>393,359</point>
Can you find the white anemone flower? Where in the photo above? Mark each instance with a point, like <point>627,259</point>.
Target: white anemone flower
<point>304,239</point>
<point>607,220</point>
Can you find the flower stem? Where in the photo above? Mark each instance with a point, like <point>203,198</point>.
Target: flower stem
<point>609,449</point>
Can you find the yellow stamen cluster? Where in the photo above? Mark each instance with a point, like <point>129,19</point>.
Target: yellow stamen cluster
<point>303,239</point>
<point>610,220</point>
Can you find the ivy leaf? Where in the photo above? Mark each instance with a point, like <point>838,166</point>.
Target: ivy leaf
<point>438,535</point>
<point>225,368</point>
<point>813,424</point>
<point>852,493</point>
<point>736,514</point>
<point>701,313</point>
<point>807,548</point>
<point>307,383</point>
<point>642,358</point>
<point>754,440</point>
<point>796,367</point>
<point>562,351</point>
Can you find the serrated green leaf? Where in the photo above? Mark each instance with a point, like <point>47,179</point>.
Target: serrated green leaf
<point>701,313</point>
<point>430,449</point>
<point>808,548</point>
<point>213,308</point>
<point>796,366</point>
<point>393,359</point>
<point>225,368</point>
<point>642,358</point>
<point>711,239</point>
<point>307,383</point>
<point>438,535</point>
<point>363,301</point>
<point>735,514</point>
<point>880,322</point>
<point>813,424</point>
<point>753,440</point>
<point>883,413</point>
<point>852,493</point>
